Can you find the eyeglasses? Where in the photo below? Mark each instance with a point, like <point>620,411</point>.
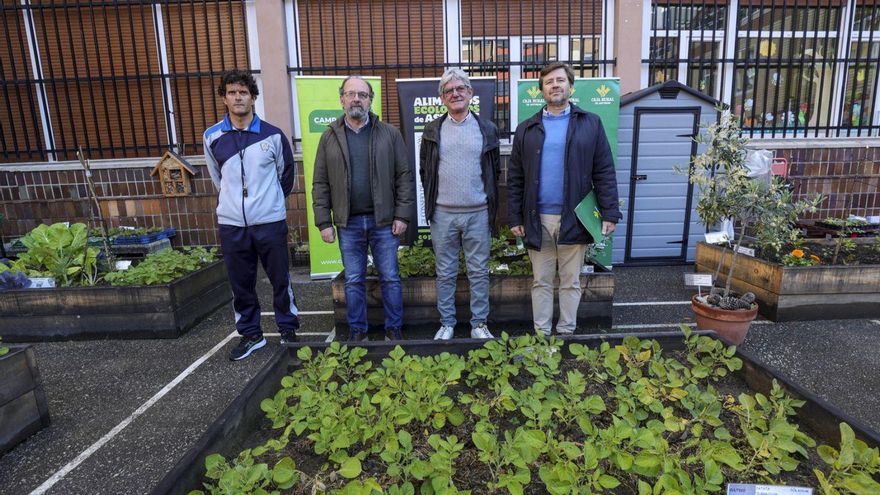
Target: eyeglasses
<point>360,94</point>
<point>457,89</point>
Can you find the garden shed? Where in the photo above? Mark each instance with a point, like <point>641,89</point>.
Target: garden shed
<point>657,126</point>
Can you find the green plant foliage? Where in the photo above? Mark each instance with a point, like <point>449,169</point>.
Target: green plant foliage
<point>59,252</point>
<point>726,191</point>
<point>612,419</point>
<point>3,349</point>
<point>163,267</point>
<point>506,257</point>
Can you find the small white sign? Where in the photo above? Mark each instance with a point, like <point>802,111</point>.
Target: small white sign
<point>716,237</point>
<point>123,265</point>
<point>42,283</point>
<point>749,489</point>
<point>588,269</point>
<point>746,251</point>
<point>698,279</point>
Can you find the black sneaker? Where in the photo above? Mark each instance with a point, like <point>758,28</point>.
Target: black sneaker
<point>355,336</point>
<point>246,346</point>
<point>393,334</point>
<point>288,337</point>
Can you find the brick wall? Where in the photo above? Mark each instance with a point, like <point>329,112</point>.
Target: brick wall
<point>848,178</point>
<point>128,196</point>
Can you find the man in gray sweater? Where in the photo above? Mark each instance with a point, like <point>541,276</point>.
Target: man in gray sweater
<point>459,158</point>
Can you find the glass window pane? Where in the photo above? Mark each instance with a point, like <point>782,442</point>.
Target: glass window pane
<point>668,16</point>
<point>703,67</point>
<point>584,51</point>
<point>867,18</point>
<point>537,54</point>
<point>664,60</point>
<point>861,77</point>
<point>774,89</point>
<point>790,18</point>
<point>494,55</point>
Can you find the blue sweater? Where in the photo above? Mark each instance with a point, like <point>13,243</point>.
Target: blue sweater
<point>550,188</point>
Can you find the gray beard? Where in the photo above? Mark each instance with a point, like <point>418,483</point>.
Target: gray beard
<point>356,113</point>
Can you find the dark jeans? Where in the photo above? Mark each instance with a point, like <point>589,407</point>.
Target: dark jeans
<point>354,238</point>
<point>242,247</point>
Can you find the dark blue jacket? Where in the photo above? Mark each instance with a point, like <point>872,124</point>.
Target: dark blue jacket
<point>588,165</point>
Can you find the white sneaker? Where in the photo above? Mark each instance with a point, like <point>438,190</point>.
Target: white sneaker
<point>481,332</point>
<point>445,333</point>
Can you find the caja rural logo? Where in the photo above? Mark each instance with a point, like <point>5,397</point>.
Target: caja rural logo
<point>603,98</point>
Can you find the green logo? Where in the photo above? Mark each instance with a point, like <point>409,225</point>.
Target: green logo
<point>320,119</point>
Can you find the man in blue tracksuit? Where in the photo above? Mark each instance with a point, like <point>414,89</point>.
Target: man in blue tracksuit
<point>252,167</point>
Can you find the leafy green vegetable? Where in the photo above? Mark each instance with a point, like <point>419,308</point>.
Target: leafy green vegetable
<point>164,267</point>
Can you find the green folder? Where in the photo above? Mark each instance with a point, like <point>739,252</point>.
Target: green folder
<point>588,213</point>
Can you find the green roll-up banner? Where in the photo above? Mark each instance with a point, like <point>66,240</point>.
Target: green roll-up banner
<point>598,95</point>
<point>319,106</point>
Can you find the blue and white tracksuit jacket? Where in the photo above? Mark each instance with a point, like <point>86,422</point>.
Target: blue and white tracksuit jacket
<point>253,169</point>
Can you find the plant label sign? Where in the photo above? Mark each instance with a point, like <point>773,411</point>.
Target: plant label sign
<point>716,237</point>
<point>42,283</point>
<point>746,251</point>
<point>588,269</point>
<point>749,489</point>
<point>698,279</point>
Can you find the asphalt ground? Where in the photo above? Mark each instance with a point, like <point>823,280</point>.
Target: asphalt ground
<point>124,411</point>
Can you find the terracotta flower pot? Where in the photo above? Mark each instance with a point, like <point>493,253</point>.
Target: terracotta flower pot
<point>730,324</point>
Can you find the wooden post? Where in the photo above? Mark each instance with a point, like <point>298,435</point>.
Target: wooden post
<point>93,198</point>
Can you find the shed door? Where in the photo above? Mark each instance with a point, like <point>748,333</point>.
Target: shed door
<point>659,197</point>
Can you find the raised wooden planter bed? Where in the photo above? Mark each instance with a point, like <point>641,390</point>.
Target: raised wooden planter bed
<point>792,293</point>
<point>510,301</point>
<point>140,312</point>
<point>23,407</point>
<point>237,427</point>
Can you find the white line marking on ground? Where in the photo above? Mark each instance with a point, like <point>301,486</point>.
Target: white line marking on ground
<point>55,478</point>
<point>652,303</point>
<point>876,322</point>
<point>667,325</point>
<point>272,313</point>
<point>332,335</point>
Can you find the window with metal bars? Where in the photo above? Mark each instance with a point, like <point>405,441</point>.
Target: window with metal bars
<point>786,68</point>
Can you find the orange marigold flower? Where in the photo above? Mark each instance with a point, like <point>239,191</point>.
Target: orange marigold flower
<point>815,258</point>
<point>797,253</point>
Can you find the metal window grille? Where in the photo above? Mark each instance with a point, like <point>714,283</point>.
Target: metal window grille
<point>508,40</point>
<point>120,79</point>
<point>791,68</point>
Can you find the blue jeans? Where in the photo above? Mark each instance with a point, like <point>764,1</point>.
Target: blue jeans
<point>360,232</point>
<point>451,232</point>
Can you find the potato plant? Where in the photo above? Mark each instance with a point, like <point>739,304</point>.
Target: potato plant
<point>515,417</point>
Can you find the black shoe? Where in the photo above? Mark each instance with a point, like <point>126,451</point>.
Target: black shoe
<point>393,334</point>
<point>246,346</point>
<point>355,336</point>
<point>288,337</point>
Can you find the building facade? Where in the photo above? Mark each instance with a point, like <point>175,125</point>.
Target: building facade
<point>126,81</point>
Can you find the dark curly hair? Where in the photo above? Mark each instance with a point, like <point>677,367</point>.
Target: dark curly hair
<point>237,76</point>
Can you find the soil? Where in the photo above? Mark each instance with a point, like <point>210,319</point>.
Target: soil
<point>861,254</point>
<point>472,474</point>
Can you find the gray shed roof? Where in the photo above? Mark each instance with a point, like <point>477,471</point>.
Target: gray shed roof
<point>670,87</point>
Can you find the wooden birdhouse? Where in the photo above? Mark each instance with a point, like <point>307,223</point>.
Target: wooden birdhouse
<point>175,174</point>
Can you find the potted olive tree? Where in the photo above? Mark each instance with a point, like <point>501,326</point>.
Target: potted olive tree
<point>727,192</point>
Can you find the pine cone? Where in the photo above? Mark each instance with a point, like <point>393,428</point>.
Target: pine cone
<point>733,303</point>
<point>713,299</point>
<point>747,298</point>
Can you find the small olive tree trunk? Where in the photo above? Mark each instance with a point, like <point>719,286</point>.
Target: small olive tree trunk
<point>742,235</point>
